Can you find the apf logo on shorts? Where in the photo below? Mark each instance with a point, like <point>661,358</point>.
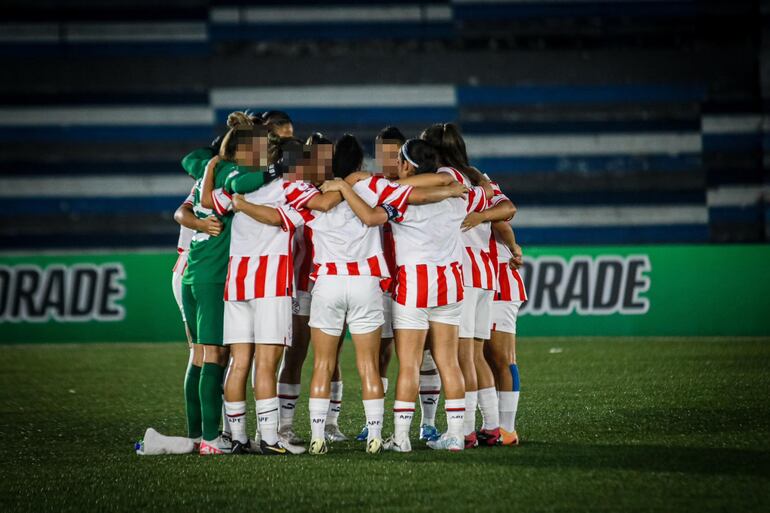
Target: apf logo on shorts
<point>600,285</point>
<point>64,293</point>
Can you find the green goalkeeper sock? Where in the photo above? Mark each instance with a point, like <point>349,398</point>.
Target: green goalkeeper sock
<point>192,401</point>
<point>210,391</point>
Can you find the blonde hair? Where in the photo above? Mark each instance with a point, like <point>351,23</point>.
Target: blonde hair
<point>238,122</point>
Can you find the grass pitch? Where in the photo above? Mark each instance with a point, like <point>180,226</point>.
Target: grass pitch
<point>607,425</point>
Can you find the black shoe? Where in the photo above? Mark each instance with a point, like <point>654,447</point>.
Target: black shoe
<point>241,447</point>
<point>272,450</point>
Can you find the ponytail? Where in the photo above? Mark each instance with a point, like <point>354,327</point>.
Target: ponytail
<point>447,139</point>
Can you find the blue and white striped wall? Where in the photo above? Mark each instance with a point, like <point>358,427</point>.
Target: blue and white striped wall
<point>516,150</point>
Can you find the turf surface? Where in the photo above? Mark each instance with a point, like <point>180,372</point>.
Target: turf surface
<point>607,424</point>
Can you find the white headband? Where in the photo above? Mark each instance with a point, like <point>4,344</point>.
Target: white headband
<point>403,153</point>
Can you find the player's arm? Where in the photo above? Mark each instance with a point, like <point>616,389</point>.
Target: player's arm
<point>427,180</point>
<point>356,176</point>
<point>244,183</point>
<point>370,216</point>
<point>207,184</point>
<point>185,216</point>
<point>502,211</point>
<point>425,195</point>
<point>194,163</point>
<point>325,201</point>
<point>504,233</point>
<point>261,213</point>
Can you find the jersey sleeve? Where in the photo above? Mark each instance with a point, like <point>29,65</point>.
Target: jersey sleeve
<point>244,183</point>
<point>395,200</point>
<point>371,189</point>
<point>223,201</point>
<point>477,200</point>
<point>292,218</point>
<point>298,193</point>
<point>194,163</point>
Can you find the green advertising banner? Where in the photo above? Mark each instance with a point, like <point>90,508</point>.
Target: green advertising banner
<point>587,291</point>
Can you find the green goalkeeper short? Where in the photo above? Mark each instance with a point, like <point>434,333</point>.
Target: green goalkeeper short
<point>204,308</point>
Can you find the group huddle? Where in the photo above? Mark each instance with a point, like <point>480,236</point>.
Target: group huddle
<point>286,243</point>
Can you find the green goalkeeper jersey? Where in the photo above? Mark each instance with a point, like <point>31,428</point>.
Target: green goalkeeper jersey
<point>208,257</point>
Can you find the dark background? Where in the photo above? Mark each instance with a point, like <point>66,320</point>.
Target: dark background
<point>543,69</point>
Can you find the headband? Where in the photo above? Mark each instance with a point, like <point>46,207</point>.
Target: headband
<point>406,157</point>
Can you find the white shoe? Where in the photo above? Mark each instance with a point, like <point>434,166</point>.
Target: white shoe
<point>374,446</point>
<point>216,446</point>
<point>318,446</point>
<point>397,444</point>
<point>288,436</point>
<point>447,443</point>
<point>155,443</point>
<point>333,433</point>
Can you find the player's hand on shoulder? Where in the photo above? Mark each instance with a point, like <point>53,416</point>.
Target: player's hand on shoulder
<point>238,200</point>
<point>471,221</point>
<point>457,189</point>
<point>518,259</point>
<point>333,185</point>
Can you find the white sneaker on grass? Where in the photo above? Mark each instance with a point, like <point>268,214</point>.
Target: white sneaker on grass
<point>400,444</point>
<point>447,443</point>
<point>333,433</point>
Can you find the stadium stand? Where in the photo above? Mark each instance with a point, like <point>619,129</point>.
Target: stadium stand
<point>601,129</point>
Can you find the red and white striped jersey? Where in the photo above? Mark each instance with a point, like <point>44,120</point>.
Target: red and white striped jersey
<point>343,244</point>
<point>183,248</point>
<point>261,256</point>
<point>509,285</point>
<point>429,251</point>
<point>303,258</point>
<point>478,267</point>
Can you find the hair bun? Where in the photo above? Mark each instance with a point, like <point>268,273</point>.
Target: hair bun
<point>239,119</point>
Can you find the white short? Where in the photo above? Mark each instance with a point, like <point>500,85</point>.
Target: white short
<point>477,313</point>
<point>259,321</point>
<point>504,314</point>
<point>300,305</point>
<point>356,300</point>
<point>413,318</point>
<point>176,287</point>
<point>387,312</point>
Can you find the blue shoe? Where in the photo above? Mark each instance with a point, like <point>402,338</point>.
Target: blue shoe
<point>363,436</point>
<point>429,433</point>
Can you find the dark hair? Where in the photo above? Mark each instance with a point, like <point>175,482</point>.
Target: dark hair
<point>275,118</point>
<point>241,130</point>
<point>289,150</point>
<point>421,153</point>
<point>348,156</point>
<point>317,138</point>
<point>391,133</point>
<point>449,142</point>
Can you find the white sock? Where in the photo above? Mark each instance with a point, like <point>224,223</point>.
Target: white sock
<point>402,418</point>
<point>471,399</point>
<point>384,386</point>
<point>267,416</point>
<point>288,395</point>
<point>509,403</point>
<point>455,417</point>
<point>335,403</point>
<point>490,415</point>
<point>236,420</point>
<point>374,409</point>
<point>430,388</point>
<point>318,407</point>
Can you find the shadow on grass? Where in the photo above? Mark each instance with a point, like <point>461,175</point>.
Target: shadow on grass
<point>643,458</point>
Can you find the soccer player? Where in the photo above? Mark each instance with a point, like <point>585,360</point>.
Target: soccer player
<point>259,290</point>
<point>428,292</point>
<point>202,289</point>
<point>479,280</point>
<point>290,375</point>
<point>509,296</point>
